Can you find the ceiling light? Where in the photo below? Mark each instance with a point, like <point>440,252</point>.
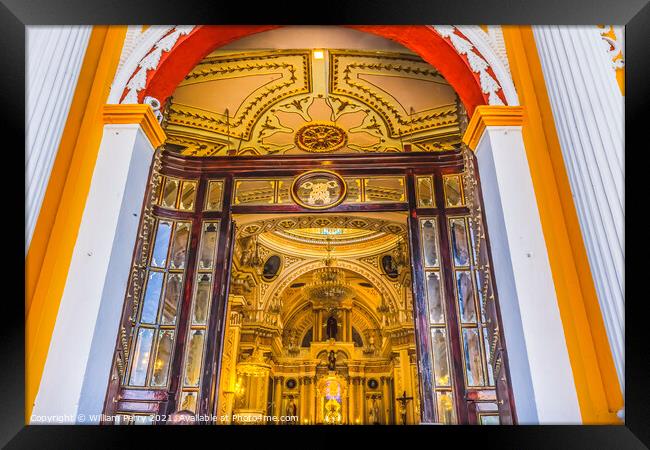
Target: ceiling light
<point>319,54</point>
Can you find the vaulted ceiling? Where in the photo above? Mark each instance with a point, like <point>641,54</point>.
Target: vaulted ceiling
<point>284,101</point>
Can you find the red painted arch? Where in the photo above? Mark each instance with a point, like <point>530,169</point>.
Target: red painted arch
<point>190,49</point>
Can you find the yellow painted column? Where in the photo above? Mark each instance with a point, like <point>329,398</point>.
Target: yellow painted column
<point>593,369</point>
<point>54,238</point>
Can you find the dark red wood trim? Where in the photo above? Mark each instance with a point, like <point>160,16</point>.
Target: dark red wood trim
<point>453,329</point>
<point>507,411</point>
<point>163,401</point>
<point>422,333</point>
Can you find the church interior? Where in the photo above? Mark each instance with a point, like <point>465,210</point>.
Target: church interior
<point>321,320</point>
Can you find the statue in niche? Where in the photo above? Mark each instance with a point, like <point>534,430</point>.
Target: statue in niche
<point>331,361</point>
<point>291,408</point>
<point>292,338</point>
<point>374,412</point>
<point>331,328</point>
<point>372,349</point>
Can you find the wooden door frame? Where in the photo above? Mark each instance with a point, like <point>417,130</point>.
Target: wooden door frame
<point>228,168</point>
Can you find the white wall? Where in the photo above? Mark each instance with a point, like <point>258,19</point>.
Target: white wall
<point>54,58</point>
<point>541,375</point>
<point>78,363</point>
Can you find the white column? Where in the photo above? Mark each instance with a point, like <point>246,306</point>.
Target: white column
<point>54,58</point>
<point>540,370</point>
<point>79,359</point>
<point>587,107</point>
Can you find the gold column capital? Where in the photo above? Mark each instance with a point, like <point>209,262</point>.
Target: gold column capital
<point>490,116</point>
<point>139,115</point>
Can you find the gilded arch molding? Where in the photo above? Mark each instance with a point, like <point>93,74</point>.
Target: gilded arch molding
<point>388,292</point>
<point>315,221</point>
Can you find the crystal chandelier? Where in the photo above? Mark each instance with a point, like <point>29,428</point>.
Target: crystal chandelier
<point>328,283</point>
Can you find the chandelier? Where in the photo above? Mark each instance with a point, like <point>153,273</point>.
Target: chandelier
<point>328,282</point>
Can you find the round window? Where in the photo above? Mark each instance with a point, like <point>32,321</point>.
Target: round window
<point>389,267</point>
<point>271,267</point>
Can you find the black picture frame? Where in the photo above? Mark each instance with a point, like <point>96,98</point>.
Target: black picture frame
<point>635,14</point>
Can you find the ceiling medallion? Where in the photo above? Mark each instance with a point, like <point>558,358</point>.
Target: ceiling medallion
<point>318,189</point>
<point>320,138</point>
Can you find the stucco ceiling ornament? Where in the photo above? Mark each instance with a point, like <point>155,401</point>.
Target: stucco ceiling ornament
<point>478,65</point>
<point>155,106</point>
<point>612,37</point>
<point>150,62</point>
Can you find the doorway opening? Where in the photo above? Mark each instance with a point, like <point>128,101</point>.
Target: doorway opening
<point>320,321</point>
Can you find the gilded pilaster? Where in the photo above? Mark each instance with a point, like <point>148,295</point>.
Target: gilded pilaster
<point>387,398</point>
<point>277,396</point>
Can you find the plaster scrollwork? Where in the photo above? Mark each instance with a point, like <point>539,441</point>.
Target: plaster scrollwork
<point>477,63</point>
<point>143,52</point>
<point>151,61</point>
<point>612,37</point>
<point>155,106</point>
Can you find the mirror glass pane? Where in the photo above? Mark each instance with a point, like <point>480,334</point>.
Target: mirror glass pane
<point>429,242</point>
<point>170,192</point>
<point>179,247</point>
<point>161,244</point>
<point>384,189</point>
<point>284,191</point>
<point>254,192</point>
<point>188,402</point>
<point>472,351</point>
<point>445,407</point>
<point>440,359</point>
<point>459,241</point>
<point>490,419</point>
<point>465,291</point>
<point>163,358</point>
<point>425,192</point>
<point>215,196</point>
<point>436,311</point>
<point>188,195</point>
<point>172,294</point>
<point>201,300</point>
<point>193,358</point>
<point>453,190</point>
<point>354,190</point>
<point>208,245</point>
<point>151,298</point>
<point>141,357</point>
<point>488,355</point>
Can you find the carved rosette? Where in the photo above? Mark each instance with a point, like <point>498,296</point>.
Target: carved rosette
<point>320,138</point>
